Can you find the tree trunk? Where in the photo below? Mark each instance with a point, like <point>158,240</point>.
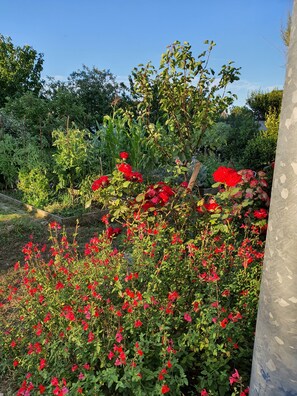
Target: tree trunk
<point>274,370</point>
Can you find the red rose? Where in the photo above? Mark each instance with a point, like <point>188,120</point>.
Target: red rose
<point>124,155</point>
<point>134,177</point>
<point>125,168</point>
<point>103,181</point>
<point>165,389</point>
<point>227,176</point>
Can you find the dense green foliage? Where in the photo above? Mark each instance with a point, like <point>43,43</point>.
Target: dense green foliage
<point>262,103</point>
<point>20,70</point>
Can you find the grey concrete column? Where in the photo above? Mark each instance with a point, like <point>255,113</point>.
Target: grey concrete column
<point>274,370</point>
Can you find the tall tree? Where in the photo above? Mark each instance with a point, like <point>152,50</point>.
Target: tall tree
<point>96,91</point>
<point>186,93</point>
<point>262,103</point>
<point>275,352</point>
<point>20,70</point>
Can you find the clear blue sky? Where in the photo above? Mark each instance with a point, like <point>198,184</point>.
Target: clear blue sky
<point>120,34</point>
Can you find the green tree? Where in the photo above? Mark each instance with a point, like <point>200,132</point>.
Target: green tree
<point>262,103</point>
<point>242,128</point>
<point>20,70</point>
<point>260,150</point>
<point>186,93</point>
<point>96,91</point>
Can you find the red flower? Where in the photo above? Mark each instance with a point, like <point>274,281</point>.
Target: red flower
<point>138,323</point>
<point>187,317</point>
<point>42,364</point>
<point>134,177</point>
<point>90,337</point>
<point>124,155</point>
<point>15,363</point>
<point>172,296</point>
<point>110,232</point>
<point>260,213</point>
<point>55,381</point>
<point>224,323</point>
<point>227,176</point>
<point>212,206</point>
<point>204,392</point>
<point>165,389</point>
<point>125,168</point>
<point>41,389</point>
<point>103,181</point>
<point>234,377</point>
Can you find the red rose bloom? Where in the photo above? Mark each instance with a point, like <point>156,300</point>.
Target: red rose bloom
<point>227,176</point>
<point>124,155</point>
<point>134,177</point>
<point>165,389</point>
<point>103,181</point>
<point>125,168</point>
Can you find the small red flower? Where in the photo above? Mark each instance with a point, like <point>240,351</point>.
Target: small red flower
<point>15,363</point>
<point>55,381</point>
<point>124,155</point>
<point>41,389</point>
<point>91,337</point>
<point>234,377</point>
<point>224,323</point>
<point>138,323</point>
<point>187,317</point>
<point>103,181</point>
<point>260,213</point>
<point>42,364</point>
<point>165,389</point>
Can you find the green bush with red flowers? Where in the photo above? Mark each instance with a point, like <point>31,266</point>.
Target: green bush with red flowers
<point>164,301</point>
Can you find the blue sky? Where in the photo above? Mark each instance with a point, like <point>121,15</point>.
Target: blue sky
<point>118,34</point>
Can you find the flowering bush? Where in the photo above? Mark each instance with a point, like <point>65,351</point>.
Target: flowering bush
<point>170,310</point>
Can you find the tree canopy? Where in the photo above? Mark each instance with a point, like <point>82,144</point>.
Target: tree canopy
<point>20,70</point>
<point>262,103</point>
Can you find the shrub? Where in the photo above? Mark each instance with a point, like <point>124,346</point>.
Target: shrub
<point>171,309</point>
<point>35,186</point>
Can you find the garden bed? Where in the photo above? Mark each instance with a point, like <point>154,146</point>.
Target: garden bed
<point>84,219</point>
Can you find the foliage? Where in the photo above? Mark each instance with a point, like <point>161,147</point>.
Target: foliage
<point>71,156</point>
<point>262,103</point>
<point>286,32</point>
<point>35,186</point>
<point>19,153</point>
<point>171,309</point>
<point>96,91</point>
<point>241,127</point>
<point>34,114</point>
<point>8,166</point>
<point>121,131</point>
<point>188,96</point>
<point>20,70</point>
<point>260,151</point>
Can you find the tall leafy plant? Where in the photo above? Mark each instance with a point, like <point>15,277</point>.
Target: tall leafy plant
<point>187,94</point>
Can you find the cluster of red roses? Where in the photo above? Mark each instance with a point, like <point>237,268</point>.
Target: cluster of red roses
<point>124,168</point>
<point>157,194</point>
